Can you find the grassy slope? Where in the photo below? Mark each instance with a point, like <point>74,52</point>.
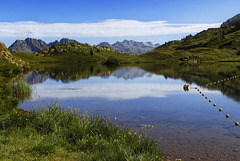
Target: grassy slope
<point>77,53</point>
<point>212,44</point>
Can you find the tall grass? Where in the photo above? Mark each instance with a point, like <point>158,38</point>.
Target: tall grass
<point>54,133</point>
<point>21,90</point>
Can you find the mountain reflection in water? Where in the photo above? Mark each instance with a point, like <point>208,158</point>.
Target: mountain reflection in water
<point>187,125</point>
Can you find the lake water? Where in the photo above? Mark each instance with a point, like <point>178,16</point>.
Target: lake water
<point>186,125</point>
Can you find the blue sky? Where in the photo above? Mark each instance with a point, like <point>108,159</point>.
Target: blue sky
<point>94,21</point>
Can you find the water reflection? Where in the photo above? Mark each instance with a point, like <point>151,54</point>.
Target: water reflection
<point>188,125</point>
<point>199,74</point>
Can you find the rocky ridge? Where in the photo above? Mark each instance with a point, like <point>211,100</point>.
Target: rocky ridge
<point>130,46</point>
<point>232,22</point>
<point>30,45</point>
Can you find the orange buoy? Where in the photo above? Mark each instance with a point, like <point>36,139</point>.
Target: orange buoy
<point>227,115</point>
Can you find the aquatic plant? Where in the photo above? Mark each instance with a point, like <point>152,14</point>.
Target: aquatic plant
<point>21,90</point>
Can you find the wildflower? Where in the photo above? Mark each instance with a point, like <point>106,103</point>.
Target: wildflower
<point>71,110</point>
<point>20,148</point>
<point>75,109</point>
<point>130,133</point>
<point>145,125</point>
<point>124,135</point>
<point>42,114</point>
<point>26,119</point>
<point>135,133</point>
<point>140,136</point>
<point>148,125</point>
<point>107,117</point>
<point>69,107</point>
<point>152,126</point>
<point>115,118</point>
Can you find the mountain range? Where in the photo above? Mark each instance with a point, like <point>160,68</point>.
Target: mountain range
<point>130,46</point>
<point>30,45</point>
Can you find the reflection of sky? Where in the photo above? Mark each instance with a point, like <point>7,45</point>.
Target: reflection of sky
<point>111,88</point>
<point>180,118</point>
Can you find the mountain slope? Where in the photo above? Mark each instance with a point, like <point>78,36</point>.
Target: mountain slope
<point>30,45</point>
<point>130,46</point>
<point>222,44</point>
<point>6,58</point>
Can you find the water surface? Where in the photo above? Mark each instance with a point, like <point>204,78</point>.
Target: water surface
<point>186,125</point>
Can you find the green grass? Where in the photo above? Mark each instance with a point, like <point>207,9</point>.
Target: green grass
<point>21,90</point>
<point>53,133</point>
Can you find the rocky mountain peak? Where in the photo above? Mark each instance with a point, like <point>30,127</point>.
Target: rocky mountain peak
<point>234,21</point>
<point>130,46</point>
<point>30,45</point>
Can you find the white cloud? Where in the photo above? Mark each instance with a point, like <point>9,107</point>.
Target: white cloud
<point>106,28</point>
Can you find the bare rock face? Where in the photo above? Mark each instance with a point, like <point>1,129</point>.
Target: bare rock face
<point>28,45</point>
<point>130,46</point>
<point>234,21</point>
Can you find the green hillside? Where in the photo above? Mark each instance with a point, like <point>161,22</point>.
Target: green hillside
<point>76,53</point>
<point>214,44</point>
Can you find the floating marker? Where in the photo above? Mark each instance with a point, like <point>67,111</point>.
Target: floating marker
<point>203,94</point>
<point>206,97</point>
<point>210,100</point>
<point>200,92</point>
<point>236,123</point>
<point>220,110</point>
<point>227,115</point>
<point>214,104</point>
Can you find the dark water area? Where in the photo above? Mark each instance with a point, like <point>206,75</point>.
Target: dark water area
<point>186,126</point>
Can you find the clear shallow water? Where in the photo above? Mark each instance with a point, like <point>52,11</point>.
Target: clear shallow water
<point>185,124</point>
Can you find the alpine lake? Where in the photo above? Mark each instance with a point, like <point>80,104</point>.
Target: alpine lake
<point>185,123</point>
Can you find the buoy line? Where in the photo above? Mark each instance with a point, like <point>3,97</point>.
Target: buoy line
<point>222,80</point>
<point>187,87</point>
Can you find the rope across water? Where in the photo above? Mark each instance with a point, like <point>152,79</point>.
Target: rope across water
<point>187,87</point>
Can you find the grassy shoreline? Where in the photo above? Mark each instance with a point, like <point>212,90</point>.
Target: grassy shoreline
<point>53,133</point>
